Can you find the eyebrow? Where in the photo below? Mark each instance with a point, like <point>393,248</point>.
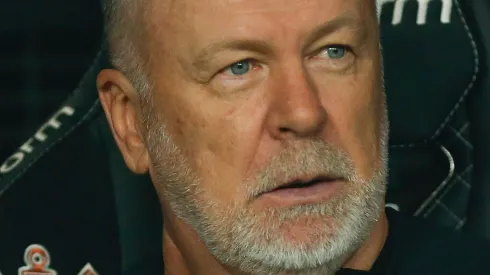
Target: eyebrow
<point>344,20</point>
<point>252,45</point>
<point>205,56</point>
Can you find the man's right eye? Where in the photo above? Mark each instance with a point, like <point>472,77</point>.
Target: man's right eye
<point>239,68</point>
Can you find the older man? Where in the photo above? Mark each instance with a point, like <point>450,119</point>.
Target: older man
<point>263,126</point>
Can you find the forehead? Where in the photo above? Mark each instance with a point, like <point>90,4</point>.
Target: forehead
<point>207,15</point>
<point>186,7</point>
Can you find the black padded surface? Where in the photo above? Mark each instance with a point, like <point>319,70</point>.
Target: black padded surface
<point>110,214</point>
<point>56,191</point>
<point>45,47</point>
<point>429,69</point>
<point>479,205</point>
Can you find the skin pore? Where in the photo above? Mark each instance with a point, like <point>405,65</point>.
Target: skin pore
<point>245,96</point>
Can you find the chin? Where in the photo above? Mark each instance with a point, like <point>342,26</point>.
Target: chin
<point>296,245</point>
<point>306,230</point>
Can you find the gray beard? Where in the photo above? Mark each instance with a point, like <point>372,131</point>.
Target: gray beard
<point>252,242</point>
<point>248,241</point>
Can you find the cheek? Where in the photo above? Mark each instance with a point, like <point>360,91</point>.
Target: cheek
<point>353,107</point>
<point>220,140</point>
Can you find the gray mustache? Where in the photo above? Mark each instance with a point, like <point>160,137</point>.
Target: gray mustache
<point>301,160</point>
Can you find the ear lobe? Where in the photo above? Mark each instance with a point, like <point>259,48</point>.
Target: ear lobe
<point>121,106</point>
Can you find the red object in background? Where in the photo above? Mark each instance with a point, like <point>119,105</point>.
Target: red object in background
<point>37,261</point>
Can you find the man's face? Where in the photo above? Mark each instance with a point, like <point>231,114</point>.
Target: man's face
<point>267,127</point>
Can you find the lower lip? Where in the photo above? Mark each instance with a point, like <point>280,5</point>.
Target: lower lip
<point>322,191</point>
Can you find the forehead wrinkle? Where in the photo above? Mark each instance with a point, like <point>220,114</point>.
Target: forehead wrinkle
<point>178,16</point>
<point>175,12</point>
<point>345,20</point>
<point>268,6</point>
<point>179,8</point>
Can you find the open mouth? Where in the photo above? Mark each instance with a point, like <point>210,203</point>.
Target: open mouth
<point>300,184</point>
<point>302,191</point>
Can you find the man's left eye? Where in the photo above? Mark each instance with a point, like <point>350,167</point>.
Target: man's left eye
<point>239,68</point>
<point>336,58</point>
<point>334,52</point>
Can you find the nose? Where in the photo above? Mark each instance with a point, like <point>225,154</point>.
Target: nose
<point>296,110</point>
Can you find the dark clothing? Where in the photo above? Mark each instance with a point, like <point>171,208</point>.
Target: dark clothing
<point>418,247</point>
<point>413,247</point>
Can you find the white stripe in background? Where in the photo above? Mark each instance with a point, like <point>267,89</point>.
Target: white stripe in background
<point>423,6</point>
<point>393,206</point>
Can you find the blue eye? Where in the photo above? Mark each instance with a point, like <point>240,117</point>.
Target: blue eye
<point>239,68</point>
<point>336,52</point>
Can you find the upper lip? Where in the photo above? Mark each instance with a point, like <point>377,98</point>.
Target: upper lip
<point>301,181</point>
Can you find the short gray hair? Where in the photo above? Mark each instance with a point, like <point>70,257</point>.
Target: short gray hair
<point>122,25</point>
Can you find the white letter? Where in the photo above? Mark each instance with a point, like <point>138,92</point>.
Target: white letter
<point>422,12</point>
<point>26,147</point>
<point>447,7</point>
<point>40,135</point>
<point>398,12</point>
<point>11,163</point>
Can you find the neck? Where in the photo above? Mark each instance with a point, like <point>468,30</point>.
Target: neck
<point>187,255</point>
<point>367,254</point>
<point>184,252</point>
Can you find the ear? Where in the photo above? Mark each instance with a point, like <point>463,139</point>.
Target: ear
<point>121,106</point>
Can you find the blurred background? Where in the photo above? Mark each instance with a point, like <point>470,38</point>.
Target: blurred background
<point>45,47</point>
